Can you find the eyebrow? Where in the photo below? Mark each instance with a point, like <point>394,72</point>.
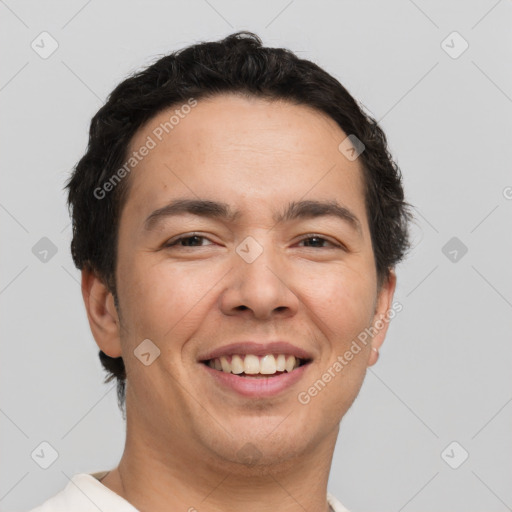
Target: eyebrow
<point>218,210</point>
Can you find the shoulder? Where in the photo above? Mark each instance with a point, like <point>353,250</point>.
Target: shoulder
<point>85,493</point>
<point>335,504</point>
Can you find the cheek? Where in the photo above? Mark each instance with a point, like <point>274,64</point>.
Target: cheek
<point>342,309</point>
<point>163,303</point>
<point>343,301</point>
<point>161,299</point>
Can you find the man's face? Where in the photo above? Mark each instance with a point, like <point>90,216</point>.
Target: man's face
<point>306,280</point>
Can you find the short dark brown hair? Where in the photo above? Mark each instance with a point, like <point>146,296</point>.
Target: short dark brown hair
<point>238,63</point>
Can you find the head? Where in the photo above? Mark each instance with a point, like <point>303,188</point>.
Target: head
<point>253,135</point>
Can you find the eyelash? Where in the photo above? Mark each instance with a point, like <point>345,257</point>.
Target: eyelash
<point>175,242</point>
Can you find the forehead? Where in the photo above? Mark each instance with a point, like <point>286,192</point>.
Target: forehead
<point>249,150</point>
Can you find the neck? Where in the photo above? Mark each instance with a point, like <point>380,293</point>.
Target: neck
<point>175,476</point>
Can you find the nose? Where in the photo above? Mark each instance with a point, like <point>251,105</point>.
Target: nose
<point>262,288</point>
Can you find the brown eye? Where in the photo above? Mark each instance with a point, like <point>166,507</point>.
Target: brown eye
<point>316,241</point>
<point>187,241</point>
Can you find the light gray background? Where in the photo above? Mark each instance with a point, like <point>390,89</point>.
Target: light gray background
<point>444,371</point>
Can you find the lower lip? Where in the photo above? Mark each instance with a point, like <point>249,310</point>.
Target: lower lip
<point>259,386</point>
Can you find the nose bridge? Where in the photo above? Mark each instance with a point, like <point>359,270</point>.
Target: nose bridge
<point>258,263</point>
<point>259,281</point>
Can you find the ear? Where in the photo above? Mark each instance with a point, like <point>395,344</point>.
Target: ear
<point>381,316</point>
<point>102,313</point>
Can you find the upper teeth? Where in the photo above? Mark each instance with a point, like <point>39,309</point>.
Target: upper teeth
<point>251,364</point>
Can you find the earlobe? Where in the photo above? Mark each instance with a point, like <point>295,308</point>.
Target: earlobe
<point>381,317</point>
<point>101,313</point>
<point>374,356</point>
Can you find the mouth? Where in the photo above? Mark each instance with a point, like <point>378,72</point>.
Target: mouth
<point>254,366</point>
<point>253,376</point>
<point>255,370</point>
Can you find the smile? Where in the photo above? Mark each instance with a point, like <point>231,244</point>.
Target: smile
<point>257,366</point>
<point>255,376</point>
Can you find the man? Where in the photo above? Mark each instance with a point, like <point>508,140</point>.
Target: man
<point>237,220</point>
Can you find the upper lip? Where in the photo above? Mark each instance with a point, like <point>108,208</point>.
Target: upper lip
<point>258,349</point>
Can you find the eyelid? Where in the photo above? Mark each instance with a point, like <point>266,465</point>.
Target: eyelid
<point>173,241</point>
<point>334,243</point>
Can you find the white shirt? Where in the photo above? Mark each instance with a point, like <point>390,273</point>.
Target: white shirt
<point>85,493</point>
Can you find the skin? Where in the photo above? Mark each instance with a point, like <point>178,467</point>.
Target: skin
<point>183,430</point>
